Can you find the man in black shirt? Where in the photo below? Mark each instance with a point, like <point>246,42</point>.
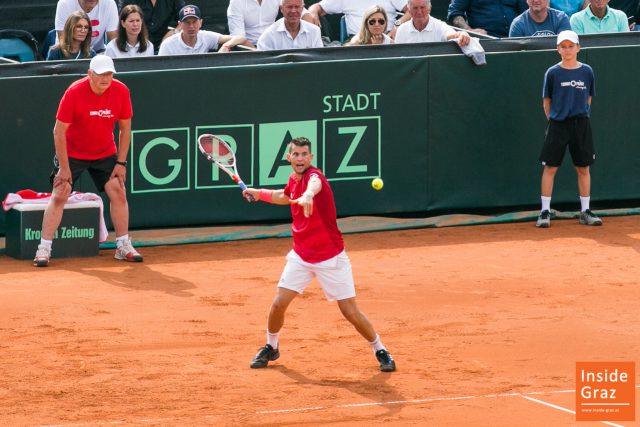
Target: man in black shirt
<point>630,7</point>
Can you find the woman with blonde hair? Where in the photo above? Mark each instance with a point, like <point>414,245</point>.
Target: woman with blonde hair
<point>372,29</point>
<point>133,38</point>
<point>75,40</point>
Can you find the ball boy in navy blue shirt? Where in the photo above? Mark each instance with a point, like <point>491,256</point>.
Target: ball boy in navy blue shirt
<point>567,92</point>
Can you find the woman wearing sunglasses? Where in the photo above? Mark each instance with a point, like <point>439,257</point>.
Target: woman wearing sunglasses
<point>75,40</point>
<point>372,29</point>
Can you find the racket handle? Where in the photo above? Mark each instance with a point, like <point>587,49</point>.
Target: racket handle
<point>244,187</point>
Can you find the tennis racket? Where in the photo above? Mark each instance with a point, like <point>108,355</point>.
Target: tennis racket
<point>219,153</point>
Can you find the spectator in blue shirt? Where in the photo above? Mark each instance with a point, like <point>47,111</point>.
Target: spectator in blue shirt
<point>539,20</point>
<point>492,17</point>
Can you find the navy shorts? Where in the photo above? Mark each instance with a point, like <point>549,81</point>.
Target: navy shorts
<point>99,169</point>
<point>574,132</point>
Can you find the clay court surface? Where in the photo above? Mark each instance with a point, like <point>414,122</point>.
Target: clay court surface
<point>486,324</point>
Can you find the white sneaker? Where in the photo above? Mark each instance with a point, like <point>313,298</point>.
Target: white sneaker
<point>544,219</point>
<point>127,252</point>
<point>42,256</point>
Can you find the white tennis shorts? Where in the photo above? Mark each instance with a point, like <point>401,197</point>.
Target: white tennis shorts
<point>335,276</point>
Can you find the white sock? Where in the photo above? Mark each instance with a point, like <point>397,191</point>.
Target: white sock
<point>120,240</point>
<point>546,203</point>
<point>272,339</point>
<point>377,344</point>
<point>45,242</point>
<point>584,203</point>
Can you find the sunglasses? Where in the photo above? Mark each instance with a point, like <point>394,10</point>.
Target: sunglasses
<point>82,27</point>
<point>378,21</point>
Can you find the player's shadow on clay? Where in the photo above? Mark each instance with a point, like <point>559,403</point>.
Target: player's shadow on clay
<point>375,389</point>
<point>139,277</point>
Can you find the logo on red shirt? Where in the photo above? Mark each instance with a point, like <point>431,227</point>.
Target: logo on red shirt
<point>107,114</point>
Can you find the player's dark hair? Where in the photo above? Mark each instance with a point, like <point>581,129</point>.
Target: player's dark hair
<point>300,141</point>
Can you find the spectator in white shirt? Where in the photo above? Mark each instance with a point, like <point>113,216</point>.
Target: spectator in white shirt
<point>423,28</point>
<point>290,32</point>
<point>194,40</point>
<point>133,38</point>
<point>103,15</point>
<point>249,18</point>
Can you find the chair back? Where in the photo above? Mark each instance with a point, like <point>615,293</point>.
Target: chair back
<point>18,45</point>
<point>49,41</point>
<point>343,29</point>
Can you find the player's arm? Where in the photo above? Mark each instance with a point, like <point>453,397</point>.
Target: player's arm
<point>276,197</point>
<point>124,140</point>
<point>546,105</point>
<point>306,200</point>
<point>60,143</point>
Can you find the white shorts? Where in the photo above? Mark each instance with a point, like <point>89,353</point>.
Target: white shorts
<point>335,276</point>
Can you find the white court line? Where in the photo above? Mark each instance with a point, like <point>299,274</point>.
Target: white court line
<point>404,402</point>
<point>567,410</point>
<point>390,402</point>
<point>549,404</point>
<point>353,405</point>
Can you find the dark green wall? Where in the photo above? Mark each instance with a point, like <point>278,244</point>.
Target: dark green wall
<point>443,133</point>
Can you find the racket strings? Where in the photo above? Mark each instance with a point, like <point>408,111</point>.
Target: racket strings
<point>217,150</point>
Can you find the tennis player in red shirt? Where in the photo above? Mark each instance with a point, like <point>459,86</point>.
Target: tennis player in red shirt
<point>318,250</point>
<point>83,139</point>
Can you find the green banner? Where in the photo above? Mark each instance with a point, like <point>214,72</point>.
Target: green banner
<point>442,133</point>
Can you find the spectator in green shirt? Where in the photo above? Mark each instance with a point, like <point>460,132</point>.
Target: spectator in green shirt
<point>598,17</point>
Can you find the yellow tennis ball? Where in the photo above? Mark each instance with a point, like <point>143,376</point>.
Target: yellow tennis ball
<point>377,184</point>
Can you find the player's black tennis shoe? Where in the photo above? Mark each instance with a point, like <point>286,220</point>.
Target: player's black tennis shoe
<point>387,364</point>
<point>265,354</point>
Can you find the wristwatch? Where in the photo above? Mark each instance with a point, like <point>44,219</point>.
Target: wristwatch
<point>397,23</point>
<point>118,162</point>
